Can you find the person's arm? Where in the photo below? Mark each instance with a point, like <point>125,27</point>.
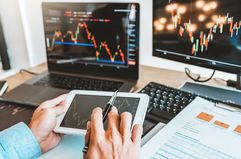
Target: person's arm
<point>18,142</point>
<point>23,142</point>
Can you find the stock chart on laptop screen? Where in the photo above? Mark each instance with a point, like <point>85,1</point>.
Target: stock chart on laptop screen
<point>92,34</point>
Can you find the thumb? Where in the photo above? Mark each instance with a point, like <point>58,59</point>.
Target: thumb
<point>59,109</point>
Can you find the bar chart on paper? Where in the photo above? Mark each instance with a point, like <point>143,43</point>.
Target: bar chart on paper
<point>200,131</point>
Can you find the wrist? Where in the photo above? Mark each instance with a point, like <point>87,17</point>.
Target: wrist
<point>36,135</point>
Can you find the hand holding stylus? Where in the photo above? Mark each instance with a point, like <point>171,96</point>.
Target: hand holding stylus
<point>118,141</point>
<point>105,113</point>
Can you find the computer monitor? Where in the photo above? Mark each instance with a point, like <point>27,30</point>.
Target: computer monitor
<point>205,33</point>
<point>92,38</point>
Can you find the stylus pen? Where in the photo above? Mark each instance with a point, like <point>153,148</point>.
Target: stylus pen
<point>109,106</point>
<point>105,113</point>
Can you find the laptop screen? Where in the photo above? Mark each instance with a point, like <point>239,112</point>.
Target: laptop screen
<point>92,38</point>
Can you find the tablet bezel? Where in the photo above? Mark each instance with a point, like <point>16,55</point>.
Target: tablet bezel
<point>138,119</point>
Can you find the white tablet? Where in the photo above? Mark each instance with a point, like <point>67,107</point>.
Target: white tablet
<point>81,103</point>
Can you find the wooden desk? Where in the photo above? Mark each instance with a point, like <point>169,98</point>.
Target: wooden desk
<point>147,74</point>
<point>19,78</point>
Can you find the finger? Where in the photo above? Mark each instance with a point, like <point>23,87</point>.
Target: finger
<point>87,135</point>
<point>53,102</point>
<point>58,110</point>
<point>136,134</point>
<point>59,99</point>
<point>97,121</point>
<point>125,124</point>
<point>113,119</point>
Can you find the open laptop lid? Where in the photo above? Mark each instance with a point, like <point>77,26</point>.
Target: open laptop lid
<point>100,39</point>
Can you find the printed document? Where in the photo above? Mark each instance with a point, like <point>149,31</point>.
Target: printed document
<point>201,131</point>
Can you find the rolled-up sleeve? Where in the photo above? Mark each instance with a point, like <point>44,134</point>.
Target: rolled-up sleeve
<point>18,142</point>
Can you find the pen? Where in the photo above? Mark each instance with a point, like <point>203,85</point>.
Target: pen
<point>109,106</point>
<point>105,113</point>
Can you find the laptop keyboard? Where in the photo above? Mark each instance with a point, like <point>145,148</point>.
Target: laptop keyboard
<point>68,82</point>
<point>166,103</point>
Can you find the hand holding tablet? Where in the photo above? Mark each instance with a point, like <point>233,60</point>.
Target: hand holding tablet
<point>81,103</point>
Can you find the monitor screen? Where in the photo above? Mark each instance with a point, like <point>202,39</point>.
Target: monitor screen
<point>201,32</point>
<point>92,38</point>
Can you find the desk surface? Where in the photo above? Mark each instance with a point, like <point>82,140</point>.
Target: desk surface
<point>147,74</point>
<point>71,145</point>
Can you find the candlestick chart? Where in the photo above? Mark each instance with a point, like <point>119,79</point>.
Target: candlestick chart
<point>204,38</point>
<point>201,23</point>
<point>96,37</point>
<point>62,39</point>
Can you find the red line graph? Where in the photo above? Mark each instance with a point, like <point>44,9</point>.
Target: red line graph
<point>112,57</point>
<point>74,36</point>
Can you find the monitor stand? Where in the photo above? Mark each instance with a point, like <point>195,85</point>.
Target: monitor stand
<point>219,94</point>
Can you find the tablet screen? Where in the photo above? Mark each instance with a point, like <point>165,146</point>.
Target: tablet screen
<point>81,108</point>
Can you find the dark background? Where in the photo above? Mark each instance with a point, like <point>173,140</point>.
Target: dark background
<point>222,49</point>
<point>101,31</point>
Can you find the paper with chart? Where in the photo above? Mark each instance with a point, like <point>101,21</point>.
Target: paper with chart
<point>200,131</point>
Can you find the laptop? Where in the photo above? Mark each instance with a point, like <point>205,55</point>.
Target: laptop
<point>89,46</point>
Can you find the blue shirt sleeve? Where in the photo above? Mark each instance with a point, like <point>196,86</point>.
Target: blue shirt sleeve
<point>18,142</point>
